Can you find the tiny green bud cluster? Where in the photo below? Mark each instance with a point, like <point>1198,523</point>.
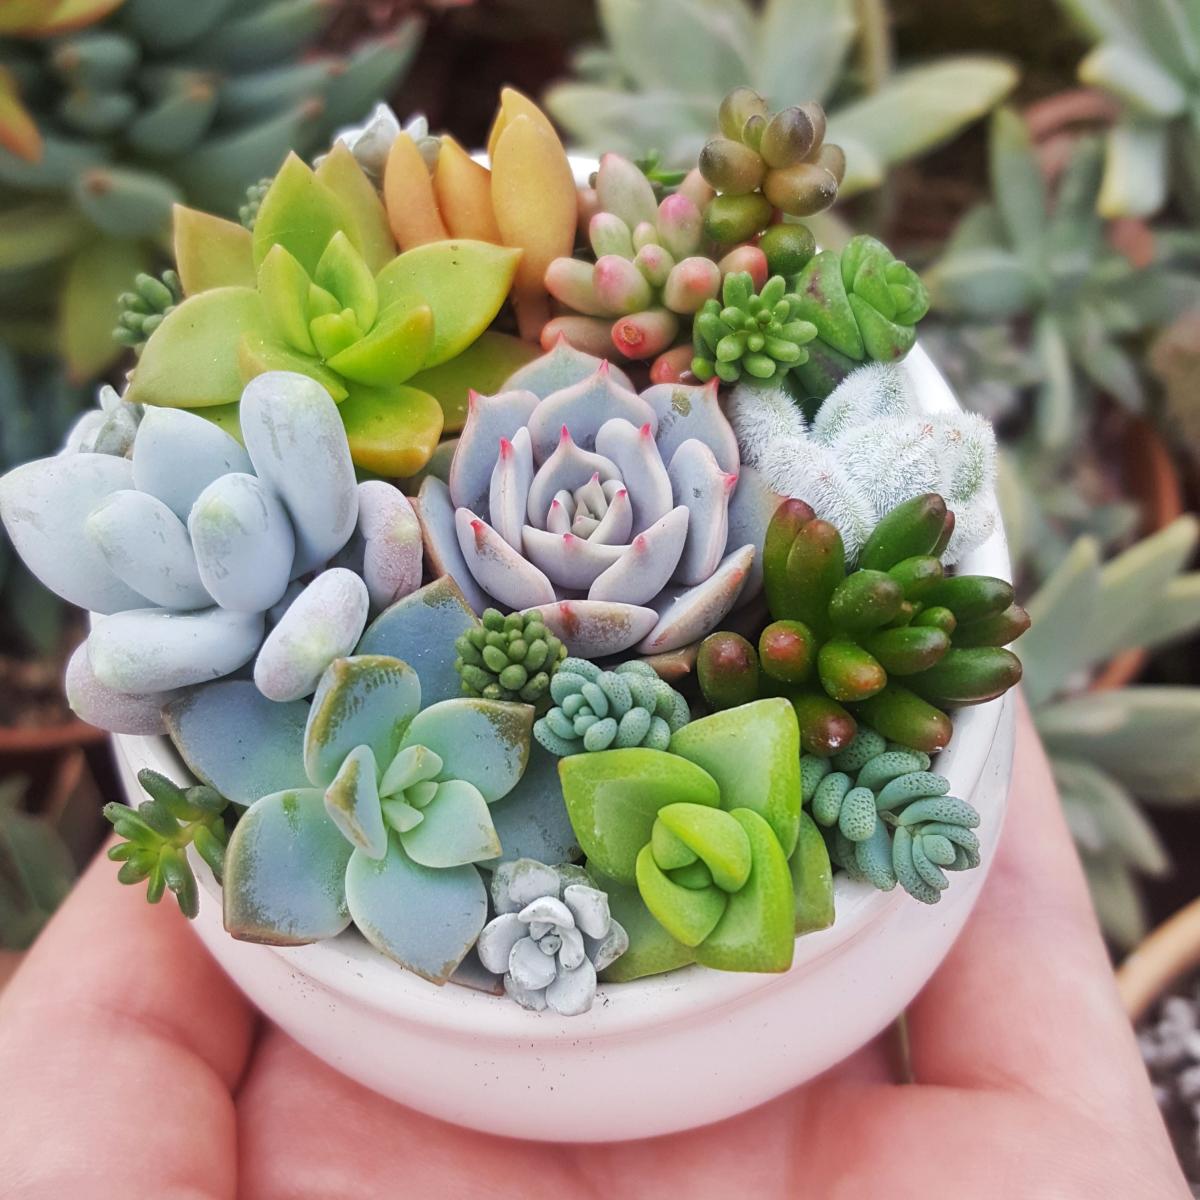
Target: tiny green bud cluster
<point>508,657</point>
<point>143,309</point>
<point>248,209</point>
<point>748,333</point>
<point>158,833</point>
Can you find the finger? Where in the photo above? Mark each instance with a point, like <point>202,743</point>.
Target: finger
<point>120,1032</point>
<point>1026,997</point>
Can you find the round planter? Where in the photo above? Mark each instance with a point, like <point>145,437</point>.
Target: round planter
<point>652,1056</point>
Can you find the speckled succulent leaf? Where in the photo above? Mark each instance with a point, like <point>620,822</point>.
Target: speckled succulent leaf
<point>386,547</point>
<point>613,798</point>
<point>484,742</point>
<point>391,430</point>
<point>285,870</point>
<point>595,628</point>
<point>692,411</point>
<point>261,351</point>
<point>236,740</point>
<point>766,733</point>
<point>424,918</point>
<point>191,359</point>
<point>211,252</point>
<point>300,213</point>
<point>464,283</point>
<point>284,288</point>
<point>421,630</point>
<point>455,828</point>
<point>531,821</point>
<point>365,700</point>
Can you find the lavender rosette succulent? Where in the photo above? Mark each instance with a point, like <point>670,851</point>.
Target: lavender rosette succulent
<point>623,519</point>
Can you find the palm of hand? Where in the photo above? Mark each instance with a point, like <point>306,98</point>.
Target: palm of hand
<point>131,1066</point>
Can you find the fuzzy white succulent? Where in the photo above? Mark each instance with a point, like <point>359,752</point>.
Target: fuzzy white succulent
<point>869,448</point>
<point>552,932</point>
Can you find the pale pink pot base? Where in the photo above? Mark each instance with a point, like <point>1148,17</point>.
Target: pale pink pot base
<point>654,1056</point>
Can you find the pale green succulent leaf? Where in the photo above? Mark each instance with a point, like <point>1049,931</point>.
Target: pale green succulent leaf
<point>1134,78</point>
<point>801,48</point>
<point>456,829</point>
<point>980,228</point>
<point>300,213</point>
<point>1111,368</point>
<point>866,167</point>
<point>283,285</point>
<point>1117,899</point>
<point>343,273</point>
<point>1135,170</point>
<point>96,276</point>
<point>1173,615</point>
<point>1054,417</point>
<point>1018,186</point>
<point>984,284</point>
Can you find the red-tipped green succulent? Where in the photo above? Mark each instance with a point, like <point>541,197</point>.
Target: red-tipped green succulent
<point>318,288</point>
<point>895,641</point>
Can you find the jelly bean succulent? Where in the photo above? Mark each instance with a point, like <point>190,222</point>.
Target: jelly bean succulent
<point>888,819</point>
<point>894,642</point>
<point>551,934</point>
<point>712,863</point>
<point>600,710</point>
<point>318,288</point>
<point>389,830</point>
<point>865,304</point>
<point>510,657</point>
<point>112,112</point>
<point>614,516</point>
<point>193,547</point>
<point>869,448</point>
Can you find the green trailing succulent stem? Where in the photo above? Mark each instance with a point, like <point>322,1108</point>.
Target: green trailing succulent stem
<point>158,833</point>
<point>255,194</point>
<point>509,657</point>
<point>751,335</point>
<point>865,304</point>
<point>894,641</point>
<point>888,819</point>
<point>598,710</point>
<point>142,310</point>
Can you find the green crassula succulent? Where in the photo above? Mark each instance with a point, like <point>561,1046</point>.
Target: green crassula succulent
<point>143,308</point>
<point>865,304</point>
<point>509,657</point>
<point>600,710</point>
<point>757,336</point>
<point>248,209</point>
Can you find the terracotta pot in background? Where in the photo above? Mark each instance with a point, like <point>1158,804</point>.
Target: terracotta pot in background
<point>1164,957</point>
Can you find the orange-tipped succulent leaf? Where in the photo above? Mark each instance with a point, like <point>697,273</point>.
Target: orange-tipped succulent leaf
<point>408,193</point>
<point>463,189</point>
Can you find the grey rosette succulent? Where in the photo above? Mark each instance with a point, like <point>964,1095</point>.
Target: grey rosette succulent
<point>551,934</point>
<point>620,518</point>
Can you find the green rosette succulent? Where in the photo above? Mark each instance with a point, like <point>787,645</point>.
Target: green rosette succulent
<point>865,304</point>
<point>597,710</point>
<point>748,335</point>
<point>509,658</point>
<point>318,288</point>
<point>703,860</point>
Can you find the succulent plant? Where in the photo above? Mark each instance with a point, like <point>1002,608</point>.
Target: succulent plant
<point>651,268</point>
<point>1049,269</point>
<point>598,710</point>
<point>705,842</point>
<point>159,832</point>
<point>317,288</point>
<point>143,309</point>
<point>618,518</point>
<point>888,818</point>
<point>865,305</point>
<point>660,75</point>
<point>189,547</point>
<point>551,934</point>
<point>115,111</point>
<point>749,334</point>
<point>869,448</point>
<point>1110,749</point>
<point>247,212</point>
<point>509,658</point>
<point>764,160</point>
<point>839,640</point>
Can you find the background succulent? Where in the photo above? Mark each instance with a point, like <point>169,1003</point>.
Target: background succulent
<point>510,657</point>
<point>551,933</point>
<point>598,710</point>
<point>869,448</point>
<point>566,498</point>
<point>1111,748</point>
<point>115,111</point>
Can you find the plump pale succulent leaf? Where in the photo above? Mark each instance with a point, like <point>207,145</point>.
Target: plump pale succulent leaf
<point>1135,173</point>
<point>352,802</point>
<point>652,950</point>
<point>531,821</point>
<point>812,879</point>
<point>392,430</point>
<point>285,870</point>
<point>423,917</point>
<point>801,48</point>
<point>237,741</point>
<point>1018,184</point>
<point>456,829</point>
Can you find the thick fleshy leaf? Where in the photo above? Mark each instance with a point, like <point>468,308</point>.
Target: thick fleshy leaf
<point>97,275</point>
<point>489,418</point>
<point>191,359</point>
<point>367,700</point>
<point>106,708</point>
<point>236,740</point>
<point>652,950</point>
<point>499,569</point>
<point>340,172</point>
<point>392,352</point>
<point>283,287</point>
<point>583,408</point>
<point>692,412</point>
<point>425,918</point>
<point>485,742</point>
<point>421,629</point>
<point>560,367</point>
<point>392,430</point>
<point>439,533</point>
<point>613,797</point>
<point>464,283</point>
<point>531,821</point>
<point>688,915</point>
<point>386,548</point>
<point>352,802</point>
<point>456,828</point>
<point>685,614</point>
<point>597,628</point>
<point>765,733</point>
<point>812,879</point>
<point>342,272</point>
<point>260,352</point>
<point>211,252</point>
<point>285,871</point>
<point>300,213</point>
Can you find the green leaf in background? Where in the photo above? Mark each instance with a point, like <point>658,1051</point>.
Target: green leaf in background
<point>97,275</point>
<point>1018,187</point>
<point>791,70</point>
<point>36,870</point>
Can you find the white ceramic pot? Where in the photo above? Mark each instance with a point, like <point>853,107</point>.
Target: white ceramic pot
<point>652,1056</point>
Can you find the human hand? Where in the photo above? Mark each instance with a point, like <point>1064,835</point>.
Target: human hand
<point>132,1067</point>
